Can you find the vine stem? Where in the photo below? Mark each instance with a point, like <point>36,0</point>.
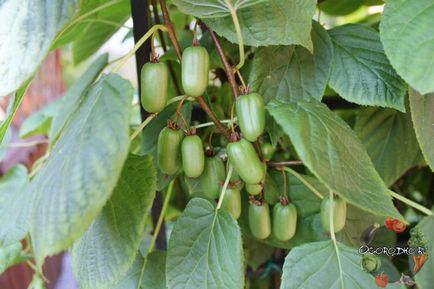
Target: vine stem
<point>211,123</point>
<point>412,204</point>
<point>163,44</point>
<point>171,31</point>
<point>239,35</point>
<point>225,186</point>
<point>285,163</point>
<point>139,43</point>
<point>142,126</point>
<point>304,181</point>
<point>157,228</point>
<point>227,66</point>
<point>213,117</point>
<point>333,237</point>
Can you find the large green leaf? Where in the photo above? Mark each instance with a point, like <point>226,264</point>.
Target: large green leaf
<point>322,265</point>
<point>331,150</point>
<point>27,29</point>
<point>75,94</point>
<point>389,138</point>
<point>99,27</point>
<point>83,167</point>
<point>154,275</point>
<point>422,113</point>
<point>108,248</point>
<point>273,22</point>
<point>425,277</point>
<point>290,73</point>
<point>361,72</point>
<point>406,33</point>
<point>205,249</point>
<point>15,205</point>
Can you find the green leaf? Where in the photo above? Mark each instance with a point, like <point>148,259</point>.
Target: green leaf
<point>422,113</point>
<point>108,248</point>
<point>14,103</point>
<point>406,33</point>
<point>27,29</point>
<point>75,94</point>
<point>154,276</point>
<point>331,150</point>
<point>425,277</point>
<point>361,72</point>
<point>205,249</point>
<point>11,255</point>
<point>83,167</point>
<point>213,8</point>
<point>389,138</point>
<point>257,253</point>
<point>96,29</point>
<point>273,22</point>
<point>340,7</point>
<point>290,73</point>
<point>321,264</point>
<point>15,205</point>
<point>130,280</point>
<point>50,119</point>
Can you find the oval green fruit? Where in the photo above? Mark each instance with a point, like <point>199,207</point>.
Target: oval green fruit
<point>251,115</point>
<point>267,151</point>
<point>254,189</point>
<point>284,221</point>
<point>212,177</point>
<point>259,220</point>
<point>154,80</point>
<point>339,213</point>
<point>193,156</point>
<point>195,69</point>
<point>168,150</point>
<point>246,163</point>
<point>232,202</point>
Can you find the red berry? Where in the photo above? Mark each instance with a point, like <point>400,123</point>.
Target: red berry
<point>395,225</point>
<point>389,223</point>
<point>382,280</point>
<point>399,226</point>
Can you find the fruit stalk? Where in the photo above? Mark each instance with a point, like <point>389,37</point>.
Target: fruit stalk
<point>171,31</point>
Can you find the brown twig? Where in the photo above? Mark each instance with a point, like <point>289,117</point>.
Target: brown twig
<point>213,117</point>
<point>227,66</point>
<point>163,44</point>
<point>171,31</point>
<point>285,163</point>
